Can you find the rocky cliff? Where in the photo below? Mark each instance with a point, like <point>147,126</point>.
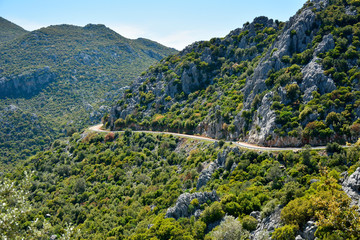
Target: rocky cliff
<point>26,84</point>
<point>270,83</point>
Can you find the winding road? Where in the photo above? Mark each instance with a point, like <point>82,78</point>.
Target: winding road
<point>97,128</point>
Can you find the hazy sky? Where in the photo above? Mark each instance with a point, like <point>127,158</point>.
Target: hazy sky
<point>172,23</point>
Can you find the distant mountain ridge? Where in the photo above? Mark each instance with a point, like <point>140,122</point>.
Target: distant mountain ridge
<point>70,75</point>
<point>65,47</point>
<point>9,30</point>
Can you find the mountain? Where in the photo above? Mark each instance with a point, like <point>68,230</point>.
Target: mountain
<point>137,185</point>
<point>269,83</point>
<point>71,51</point>
<point>70,75</point>
<point>9,30</point>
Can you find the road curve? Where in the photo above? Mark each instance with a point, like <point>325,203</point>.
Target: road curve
<point>97,128</point>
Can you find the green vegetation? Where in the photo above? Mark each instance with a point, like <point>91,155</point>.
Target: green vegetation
<point>119,186</point>
<point>89,66</point>
<point>22,134</point>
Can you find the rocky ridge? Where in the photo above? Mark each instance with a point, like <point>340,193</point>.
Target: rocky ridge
<point>233,83</point>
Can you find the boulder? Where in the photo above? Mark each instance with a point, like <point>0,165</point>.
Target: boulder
<point>309,232</point>
<point>325,45</point>
<point>181,208</point>
<point>205,175</point>
<point>267,225</point>
<point>351,186</point>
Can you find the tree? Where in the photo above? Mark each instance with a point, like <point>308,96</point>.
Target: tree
<point>213,213</point>
<point>292,91</point>
<point>14,205</point>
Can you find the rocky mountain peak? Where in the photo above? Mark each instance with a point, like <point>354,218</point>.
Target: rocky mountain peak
<point>260,83</point>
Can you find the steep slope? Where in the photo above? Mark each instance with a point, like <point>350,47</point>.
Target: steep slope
<point>70,75</point>
<point>270,83</point>
<point>9,30</point>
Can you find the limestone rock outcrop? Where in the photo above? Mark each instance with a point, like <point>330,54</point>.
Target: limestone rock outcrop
<point>351,186</point>
<point>181,208</point>
<point>26,84</point>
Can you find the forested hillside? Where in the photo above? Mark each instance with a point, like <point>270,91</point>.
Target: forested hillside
<point>141,186</point>
<point>270,83</point>
<point>70,75</point>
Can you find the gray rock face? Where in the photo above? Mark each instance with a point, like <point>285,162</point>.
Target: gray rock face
<point>286,44</point>
<point>267,225</point>
<point>181,208</point>
<point>187,76</point>
<point>206,174</point>
<point>11,108</point>
<point>325,45</point>
<point>351,12</point>
<point>95,116</point>
<point>309,231</point>
<point>351,186</point>
<point>26,84</point>
<point>265,119</point>
<point>313,76</point>
<point>191,77</point>
<point>298,32</point>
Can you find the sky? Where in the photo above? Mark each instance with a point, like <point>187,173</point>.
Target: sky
<point>173,23</point>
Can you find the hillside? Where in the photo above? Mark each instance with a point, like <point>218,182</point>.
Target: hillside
<point>142,186</point>
<point>22,133</point>
<point>9,30</point>
<point>70,75</point>
<point>269,83</point>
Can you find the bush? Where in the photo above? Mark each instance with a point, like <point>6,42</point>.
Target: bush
<point>229,229</point>
<point>332,148</point>
<point>109,137</point>
<point>269,208</point>
<point>249,223</point>
<point>119,123</point>
<point>213,213</point>
<point>221,143</point>
<point>297,212</point>
<point>287,232</point>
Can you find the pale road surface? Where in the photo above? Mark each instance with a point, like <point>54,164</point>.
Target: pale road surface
<point>97,128</point>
